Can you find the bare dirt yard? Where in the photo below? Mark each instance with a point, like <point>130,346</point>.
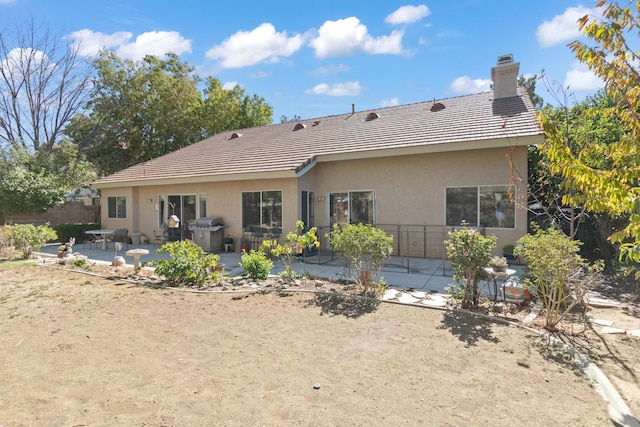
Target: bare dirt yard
<point>84,350</point>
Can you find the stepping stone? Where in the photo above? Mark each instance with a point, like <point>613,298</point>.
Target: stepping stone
<point>389,294</point>
<point>610,330</point>
<point>407,299</point>
<point>603,322</point>
<point>634,333</point>
<point>434,302</point>
<point>418,294</point>
<point>602,303</point>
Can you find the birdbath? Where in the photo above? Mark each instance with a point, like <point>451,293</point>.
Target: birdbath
<point>136,254</point>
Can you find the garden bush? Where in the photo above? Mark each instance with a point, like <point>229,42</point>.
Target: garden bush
<point>76,230</point>
<point>469,253</point>
<point>557,274</point>
<point>27,238</point>
<point>255,263</point>
<point>295,243</point>
<point>187,264</point>
<point>364,249</point>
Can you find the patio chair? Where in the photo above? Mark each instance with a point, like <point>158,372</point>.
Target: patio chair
<point>121,235</point>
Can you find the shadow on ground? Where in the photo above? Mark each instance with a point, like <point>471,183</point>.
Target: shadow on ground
<point>344,305</point>
<point>468,328</point>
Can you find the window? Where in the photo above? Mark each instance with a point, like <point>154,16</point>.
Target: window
<point>117,207</point>
<point>352,207</point>
<point>261,210</point>
<point>308,213</point>
<point>202,204</point>
<point>183,206</point>
<point>484,206</point>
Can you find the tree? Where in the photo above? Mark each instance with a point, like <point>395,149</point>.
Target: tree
<point>36,182</point>
<point>142,110</point>
<point>610,186</point>
<point>228,109</point>
<point>529,83</point>
<point>43,83</point>
<point>285,119</point>
<point>138,111</point>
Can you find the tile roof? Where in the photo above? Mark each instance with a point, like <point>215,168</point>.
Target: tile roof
<point>281,148</point>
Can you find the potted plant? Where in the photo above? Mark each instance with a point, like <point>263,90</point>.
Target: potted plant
<point>66,248</point>
<point>498,263</point>
<point>62,251</point>
<point>228,242</point>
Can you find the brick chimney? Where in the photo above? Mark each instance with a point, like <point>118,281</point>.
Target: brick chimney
<point>505,77</point>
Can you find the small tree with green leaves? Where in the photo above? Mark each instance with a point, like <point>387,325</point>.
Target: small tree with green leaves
<point>295,243</point>
<point>469,253</point>
<point>28,238</point>
<point>187,264</point>
<point>560,277</point>
<point>364,249</point>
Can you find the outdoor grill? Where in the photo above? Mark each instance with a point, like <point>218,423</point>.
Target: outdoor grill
<point>207,233</point>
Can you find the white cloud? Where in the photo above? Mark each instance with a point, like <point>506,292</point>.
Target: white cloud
<point>330,69</point>
<point>562,27</point>
<point>230,85</point>
<point>262,44</point>
<point>408,15</point>
<point>465,85</point>
<point>20,59</point>
<point>389,102</point>
<point>157,43</point>
<point>91,42</point>
<point>336,89</point>
<point>579,77</point>
<point>348,36</point>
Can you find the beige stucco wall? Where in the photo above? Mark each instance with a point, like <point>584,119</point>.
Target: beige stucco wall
<point>224,199</point>
<point>409,189</point>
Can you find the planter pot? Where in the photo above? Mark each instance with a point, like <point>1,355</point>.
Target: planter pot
<point>118,261</point>
<point>219,268</point>
<point>499,269</point>
<point>61,254</point>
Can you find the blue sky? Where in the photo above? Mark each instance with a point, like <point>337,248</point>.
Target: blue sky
<point>314,59</point>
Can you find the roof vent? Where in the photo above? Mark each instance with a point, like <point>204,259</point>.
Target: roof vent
<point>505,60</point>
<point>372,116</point>
<point>438,106</point>
<point>316,123</point>
<point>235,135</point>
<point>299,126</point>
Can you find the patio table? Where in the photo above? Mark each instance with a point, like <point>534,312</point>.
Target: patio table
<point>100,234</point>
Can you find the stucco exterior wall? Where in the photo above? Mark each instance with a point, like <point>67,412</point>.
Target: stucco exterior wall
<point>224,199</point>
<point>408,190</point>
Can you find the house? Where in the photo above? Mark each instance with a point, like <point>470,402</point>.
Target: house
<point>414,170</point>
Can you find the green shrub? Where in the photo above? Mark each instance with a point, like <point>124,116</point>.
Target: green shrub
<point>557,273</point>
<point>187,264</point>
<point>28,238</point>
<point>77,231</point>
<point>469,252</point>
<point>255,263</point>
<point>295,243</point>
<point>364,249</point>
<point>80,262</point>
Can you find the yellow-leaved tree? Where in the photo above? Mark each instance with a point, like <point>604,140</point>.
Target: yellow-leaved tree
<point>612,187</point>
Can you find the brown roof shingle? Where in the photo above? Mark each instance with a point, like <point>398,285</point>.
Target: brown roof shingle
<point>280,148</point>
